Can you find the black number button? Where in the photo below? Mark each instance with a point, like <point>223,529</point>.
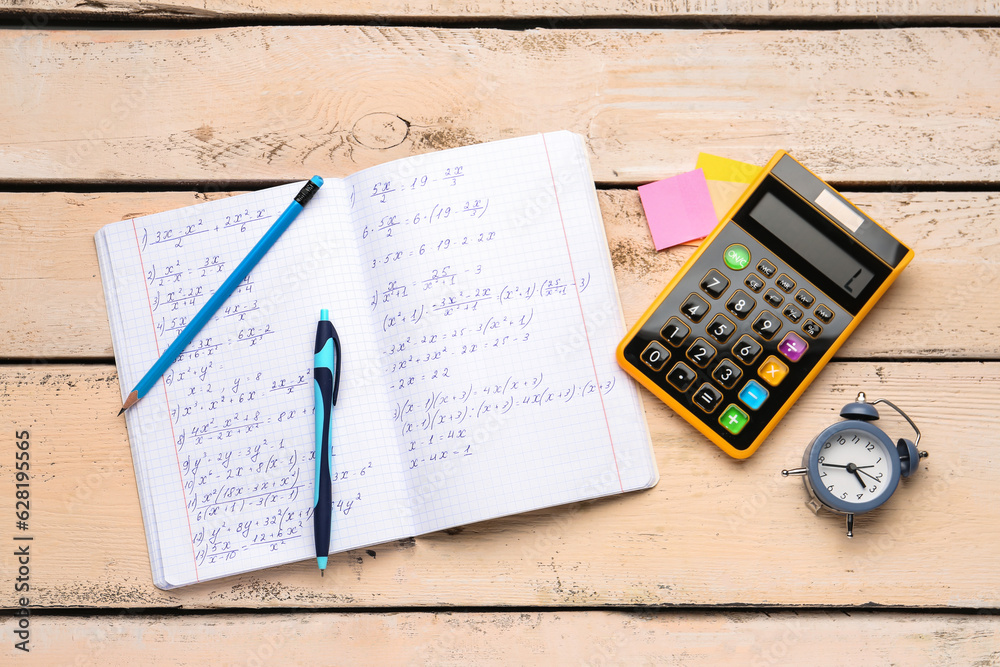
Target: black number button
<point>721,328</point>
<point>675,331</point>
<point>701,353</point>
<point>785,284</point>
<point>727,374</point>
<point>741,304</point>
<point>695,308</point>
<point>773,298</point>
<point>681,377</point>
<point>714,284</point>
<point>754,283</point>
<point>767,325</point>
<point>746,350</point>
<point>707,398</point>
<point>824,313</point>
<point>792,313</point>
<point>655,356</point>
<point>812,328</point>
<point>766,269</point>
<point>804,298</point>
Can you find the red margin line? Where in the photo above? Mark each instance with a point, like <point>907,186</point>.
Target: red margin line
<point>583,319</point>
<point>173,436</point>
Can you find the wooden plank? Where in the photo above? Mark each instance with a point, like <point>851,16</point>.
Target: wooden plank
<point>872,106</point>
<point>54,270</point>
<point>581,638</point>
<point>714,531</point>
<point>887,12</point>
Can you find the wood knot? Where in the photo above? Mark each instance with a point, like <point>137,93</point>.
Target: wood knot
<point>380,130</point>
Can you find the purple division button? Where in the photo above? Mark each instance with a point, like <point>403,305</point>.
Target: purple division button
<point>792,347</point>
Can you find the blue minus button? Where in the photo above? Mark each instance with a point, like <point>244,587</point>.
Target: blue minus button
<point>753,395</point>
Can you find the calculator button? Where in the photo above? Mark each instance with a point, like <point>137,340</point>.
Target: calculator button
<point>727,374</point>
<point>721,328</point>
<point>773,370</point>
<point>792,313</point>
<point>766,325</point>
<point>824,313</point>
<point>785,284</point>
<point>766,269</point>
<point>754,283</point>
<point>746,349</point>
<point>804,298</point>
<point>812,328</point>
<point>675,331</point>
<point>734,419</point>
<point>773,298</point>
<point>681,377</point>
<point>695,308</point>
<point>714,284</point>
<point>753,395</point>
<point>701,353</point>
<point>741,304</point>
<point>737,257</point>
<point>707,398</point>
<point>655,356</point>
<point>792,346</point>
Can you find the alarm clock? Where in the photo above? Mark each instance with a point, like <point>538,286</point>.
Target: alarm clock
<point>852,467</point>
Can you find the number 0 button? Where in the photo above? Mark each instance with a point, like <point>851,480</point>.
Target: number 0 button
<point>655,356</point>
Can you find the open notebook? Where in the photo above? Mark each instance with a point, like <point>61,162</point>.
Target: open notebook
<point>476,304</point>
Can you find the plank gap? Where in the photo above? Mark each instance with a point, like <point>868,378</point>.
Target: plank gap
<point>161,19</point>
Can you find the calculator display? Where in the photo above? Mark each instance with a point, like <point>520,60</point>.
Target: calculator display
<point>809,241</point>
<point>754,315</point>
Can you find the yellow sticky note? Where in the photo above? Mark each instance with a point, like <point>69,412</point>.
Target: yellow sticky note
<point>723,169</point>
<point>724,194</point>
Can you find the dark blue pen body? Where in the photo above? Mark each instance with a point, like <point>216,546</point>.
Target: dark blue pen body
<point>326,377</point>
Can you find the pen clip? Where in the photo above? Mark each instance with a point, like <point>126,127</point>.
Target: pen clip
<point>336,364</point>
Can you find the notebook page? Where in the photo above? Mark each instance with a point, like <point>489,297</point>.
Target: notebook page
<point>226,439</point>
<point>498,317</point>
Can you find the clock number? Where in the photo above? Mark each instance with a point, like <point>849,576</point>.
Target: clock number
<point>841,440</point>
<point>828,445</point>
<point>879,477</point>
<point>870,447</point>
<point>822,458</point>
<point>823,474</point>
<point>855,439</point>
<point>873,487</point>
<point>830,488</point>
<point>860,495</point>
<point>843,495</point>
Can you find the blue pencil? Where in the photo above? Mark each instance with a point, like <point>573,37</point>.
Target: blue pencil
<point>232,282</point>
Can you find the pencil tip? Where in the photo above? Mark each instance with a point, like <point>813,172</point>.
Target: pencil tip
<point>121,412</point>
<point>322,573</point>
<point>131,400</point>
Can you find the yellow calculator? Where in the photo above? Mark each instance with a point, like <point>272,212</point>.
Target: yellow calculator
<point>762,305</point>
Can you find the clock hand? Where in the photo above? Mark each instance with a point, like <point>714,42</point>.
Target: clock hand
<point>874,478</point>
<point>833,465</point>
<point>857,474</point>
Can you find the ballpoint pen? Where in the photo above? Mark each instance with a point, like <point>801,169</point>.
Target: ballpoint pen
<point>228,287</point>
<point>326,380</point>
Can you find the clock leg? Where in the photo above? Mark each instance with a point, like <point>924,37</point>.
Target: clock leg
<point>850,525</point>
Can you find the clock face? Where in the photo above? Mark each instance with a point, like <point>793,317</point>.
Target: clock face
<point>853,467</point>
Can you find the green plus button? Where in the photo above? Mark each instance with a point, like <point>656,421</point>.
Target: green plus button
<point>737,257</point>
<point>734,419</point>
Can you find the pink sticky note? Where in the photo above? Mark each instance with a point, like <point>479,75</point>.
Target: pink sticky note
<point>679,209</point>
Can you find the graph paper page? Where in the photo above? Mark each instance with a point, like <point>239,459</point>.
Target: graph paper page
<point>224,444</point>
<point>497,317</point>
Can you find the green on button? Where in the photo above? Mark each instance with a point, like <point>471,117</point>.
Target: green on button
<point>737,257</point>
<point>734,419</point>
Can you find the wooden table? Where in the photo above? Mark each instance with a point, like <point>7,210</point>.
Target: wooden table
<point>116,109</point>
